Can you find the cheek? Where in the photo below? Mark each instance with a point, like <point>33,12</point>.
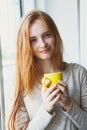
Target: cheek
<point>33,47</point>
<point>33,50</point>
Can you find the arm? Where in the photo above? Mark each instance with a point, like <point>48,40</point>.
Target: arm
<point>44,114</point>
<point>78,114</point>
<point>40,121</point>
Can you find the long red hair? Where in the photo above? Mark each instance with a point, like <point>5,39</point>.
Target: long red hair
<point>27,72</point>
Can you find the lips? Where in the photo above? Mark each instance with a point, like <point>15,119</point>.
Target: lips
<point>45,51</point>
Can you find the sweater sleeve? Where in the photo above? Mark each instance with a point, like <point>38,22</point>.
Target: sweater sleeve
<point>78,114</point>
<point>40,121</point>
<point>22,119</point>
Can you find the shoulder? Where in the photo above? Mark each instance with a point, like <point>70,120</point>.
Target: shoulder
<point>76,70</point>
<point>76,67</point>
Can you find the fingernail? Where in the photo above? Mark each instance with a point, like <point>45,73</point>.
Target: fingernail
<point>48,81</point>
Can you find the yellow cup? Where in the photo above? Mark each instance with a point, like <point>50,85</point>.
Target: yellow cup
<point>53,77</point>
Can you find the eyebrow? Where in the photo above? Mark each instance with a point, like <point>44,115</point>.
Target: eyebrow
<point>42,34</point>
<point>32,37</point>
<point>46,32</point>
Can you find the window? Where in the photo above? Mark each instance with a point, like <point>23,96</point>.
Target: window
<point>10,15</point>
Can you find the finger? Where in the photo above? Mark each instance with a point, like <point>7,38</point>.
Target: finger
<point>62,96</point>
<point>48,82</point>
<point>52,88</point>
<point>53,95</point>
<point>62,88</point>
<point>60,82</point>
<point>54,100</point>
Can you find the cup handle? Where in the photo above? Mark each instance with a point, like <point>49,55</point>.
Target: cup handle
<point>44,82</point>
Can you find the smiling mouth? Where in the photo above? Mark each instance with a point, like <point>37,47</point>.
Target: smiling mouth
<point>45,51</point>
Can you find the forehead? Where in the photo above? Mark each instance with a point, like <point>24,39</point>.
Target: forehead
<point>38,27</point>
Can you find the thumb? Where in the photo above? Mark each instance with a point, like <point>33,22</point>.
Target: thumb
<point>48,82</point>
<point>43,90</point>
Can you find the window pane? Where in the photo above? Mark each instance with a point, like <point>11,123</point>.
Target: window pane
<point>10,17</point>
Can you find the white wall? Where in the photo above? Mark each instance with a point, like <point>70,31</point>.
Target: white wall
<point>70,17</point>
<point>65,15</point>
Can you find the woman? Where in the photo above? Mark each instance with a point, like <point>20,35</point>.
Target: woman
<point>62,106</point>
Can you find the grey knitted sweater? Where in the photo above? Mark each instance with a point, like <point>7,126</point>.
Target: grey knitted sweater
<point>74,119</point>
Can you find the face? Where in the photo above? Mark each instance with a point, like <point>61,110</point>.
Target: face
<point>42,40</point>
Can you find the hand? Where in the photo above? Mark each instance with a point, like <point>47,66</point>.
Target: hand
<point>63,95</point>
<point>50,97</point>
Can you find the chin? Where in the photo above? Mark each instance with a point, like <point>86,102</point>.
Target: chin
<point>46,58</point>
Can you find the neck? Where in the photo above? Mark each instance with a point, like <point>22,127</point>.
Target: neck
<point>47,66</point>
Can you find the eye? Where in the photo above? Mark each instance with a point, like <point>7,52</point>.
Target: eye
<point>33,40</point>
<point>47,35</point>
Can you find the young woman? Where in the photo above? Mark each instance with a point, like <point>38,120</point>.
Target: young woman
<point>62,106</point>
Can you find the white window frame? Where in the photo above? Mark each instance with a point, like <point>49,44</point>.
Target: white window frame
<point>83,32</point>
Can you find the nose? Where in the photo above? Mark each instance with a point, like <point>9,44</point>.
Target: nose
<point>42,43</point>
